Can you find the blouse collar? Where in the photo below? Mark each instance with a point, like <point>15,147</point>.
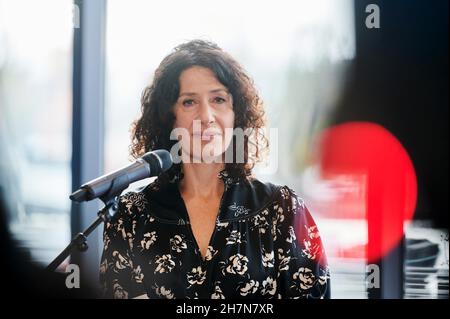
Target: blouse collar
<point>224,175</point>
<point>240,200</point>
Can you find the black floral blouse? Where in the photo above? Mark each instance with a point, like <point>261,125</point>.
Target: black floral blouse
<point>265,245</point>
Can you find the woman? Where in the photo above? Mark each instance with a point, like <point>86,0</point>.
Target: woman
<point>208,229</point>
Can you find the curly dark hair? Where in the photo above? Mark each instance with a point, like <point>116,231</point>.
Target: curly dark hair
<point>152,130</point>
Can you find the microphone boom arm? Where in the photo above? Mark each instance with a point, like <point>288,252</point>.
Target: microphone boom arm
<point>111,200</point>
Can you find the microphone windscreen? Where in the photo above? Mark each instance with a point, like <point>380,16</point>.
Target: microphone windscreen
<point>159,160</point>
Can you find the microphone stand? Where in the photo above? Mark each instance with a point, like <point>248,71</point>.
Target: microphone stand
<point>111,201</point>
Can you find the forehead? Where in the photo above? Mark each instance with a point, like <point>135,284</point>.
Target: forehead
<point>197,78</point>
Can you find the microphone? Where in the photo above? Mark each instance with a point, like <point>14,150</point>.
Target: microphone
<point>150,164</point>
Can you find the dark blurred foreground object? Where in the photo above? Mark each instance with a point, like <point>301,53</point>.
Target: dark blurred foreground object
<point>21,278</point>
<point>400,80</point>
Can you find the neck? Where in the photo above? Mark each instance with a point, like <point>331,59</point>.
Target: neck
<point>200,180</point>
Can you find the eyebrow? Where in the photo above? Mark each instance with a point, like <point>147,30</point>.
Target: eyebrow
<point>212,91</point>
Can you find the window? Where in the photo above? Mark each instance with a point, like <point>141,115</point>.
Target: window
<point>35,121</point>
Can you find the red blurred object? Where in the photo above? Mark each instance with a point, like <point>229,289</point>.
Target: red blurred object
<point>367,149</point>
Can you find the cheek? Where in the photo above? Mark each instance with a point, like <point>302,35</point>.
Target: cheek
<point>182,119</point>
<point>228,123</point>
<point>232,120</point>
<point>228,119</point>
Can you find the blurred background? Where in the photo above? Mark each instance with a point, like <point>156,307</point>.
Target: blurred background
<point>358,95</point>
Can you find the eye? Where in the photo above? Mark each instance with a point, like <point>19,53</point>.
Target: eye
<point>187,103</point>
<point>219,100</point>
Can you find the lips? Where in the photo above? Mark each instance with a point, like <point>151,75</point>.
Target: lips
<point>207,135</point>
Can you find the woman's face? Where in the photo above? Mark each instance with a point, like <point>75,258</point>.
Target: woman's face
<point>204,112</point>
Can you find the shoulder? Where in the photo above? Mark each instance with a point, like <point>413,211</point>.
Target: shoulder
<point>133,203</point>
<point>261,190</point>
<point>281,195</point>
<point>290,200</point>
<point>248,197</point>
<point>273,197</point>
<point>284,206</point>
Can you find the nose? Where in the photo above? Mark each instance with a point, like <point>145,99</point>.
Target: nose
<point>206,113</point>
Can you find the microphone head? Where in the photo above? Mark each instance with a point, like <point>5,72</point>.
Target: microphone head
<point>159,160</point>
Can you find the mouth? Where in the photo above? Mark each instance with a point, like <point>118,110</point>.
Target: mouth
<point>207,136</point>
